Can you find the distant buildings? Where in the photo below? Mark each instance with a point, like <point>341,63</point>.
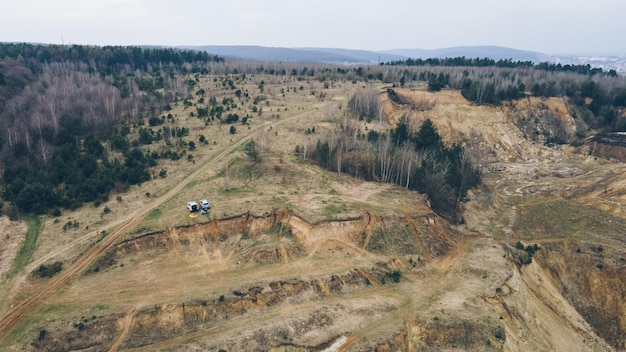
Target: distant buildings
<point>605,62</point>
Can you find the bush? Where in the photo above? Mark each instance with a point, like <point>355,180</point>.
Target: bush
<point>395,275</point>
<point>48,270</point>
<point>155,121</point>
<point>499,334</point>
<point>231,118</point>
<point>524,254</point>
<point>233,130</point>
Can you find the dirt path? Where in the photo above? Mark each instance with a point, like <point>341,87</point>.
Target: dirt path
<point>125,324</point>
<point>443,265</point>
<point>128,223</point>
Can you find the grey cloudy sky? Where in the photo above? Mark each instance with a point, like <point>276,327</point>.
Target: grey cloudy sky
<point>548,26</point>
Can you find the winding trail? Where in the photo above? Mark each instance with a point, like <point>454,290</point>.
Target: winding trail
<point>125,324</point>
<point>129,222</point>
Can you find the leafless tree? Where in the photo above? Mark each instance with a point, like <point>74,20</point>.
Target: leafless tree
<point>408,157</point>
<point>386,156</point>
<point>262,143</point>
<point>227,170</point>
<point>339,156</point>
<point>365,103</point>
<point>44,151</point>
<point>380,114</point>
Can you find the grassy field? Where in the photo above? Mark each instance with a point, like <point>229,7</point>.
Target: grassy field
<point>27,249</point>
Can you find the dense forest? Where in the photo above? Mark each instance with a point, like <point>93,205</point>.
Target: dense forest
<point>65,112</point>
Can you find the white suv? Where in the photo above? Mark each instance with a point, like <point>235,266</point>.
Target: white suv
<point>205,205</point>
<point>192,206</point>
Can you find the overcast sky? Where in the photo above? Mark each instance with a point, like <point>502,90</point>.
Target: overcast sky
<point>548,26</point>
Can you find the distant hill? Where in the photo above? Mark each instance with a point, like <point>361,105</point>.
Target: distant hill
<point>492,52</point>
<point>346,56</point>
<point>261,53</point>
<point>362,56</point>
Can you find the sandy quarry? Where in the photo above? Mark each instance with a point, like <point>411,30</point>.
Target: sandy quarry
<point>295,258</point>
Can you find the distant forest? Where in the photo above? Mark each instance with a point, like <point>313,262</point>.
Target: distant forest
<point>487,62</point>
<point>66,112</point>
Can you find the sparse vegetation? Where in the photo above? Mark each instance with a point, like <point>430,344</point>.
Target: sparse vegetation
<point>369,247</point>
<point>523,254</point>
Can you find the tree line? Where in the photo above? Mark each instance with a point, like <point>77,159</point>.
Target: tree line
<point>462,61</point>
<point>104,58</point>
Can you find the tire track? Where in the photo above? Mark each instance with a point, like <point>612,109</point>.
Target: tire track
<point>125,325</point>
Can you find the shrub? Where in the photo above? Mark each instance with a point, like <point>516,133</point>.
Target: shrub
<point>499,334</point>
<point>49,270</point>
<point>395,275</point>
<point>155,121</point>
<point>42,334</point>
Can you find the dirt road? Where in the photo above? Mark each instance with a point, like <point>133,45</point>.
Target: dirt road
<point>128,223</point>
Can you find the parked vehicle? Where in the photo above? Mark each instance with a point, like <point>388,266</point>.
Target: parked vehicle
<point>192,206</point>
<point>205,206</point>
